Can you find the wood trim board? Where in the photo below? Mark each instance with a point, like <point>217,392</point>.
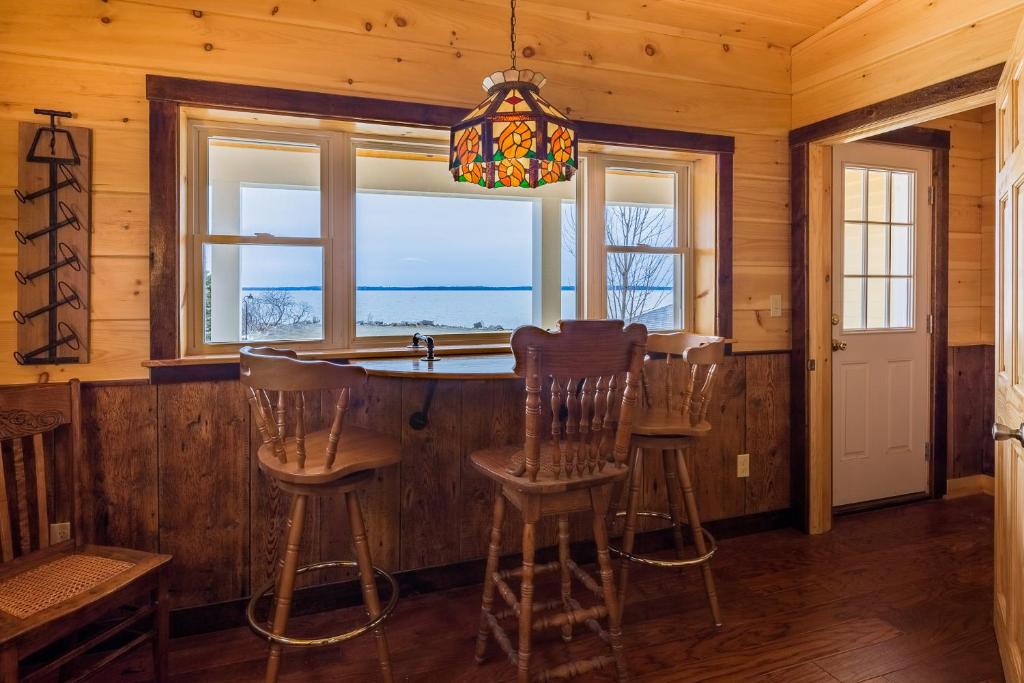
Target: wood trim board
<point>168,94</point>
<point>813,504</point>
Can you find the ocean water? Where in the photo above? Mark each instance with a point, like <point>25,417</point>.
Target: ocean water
<point>465,309</point>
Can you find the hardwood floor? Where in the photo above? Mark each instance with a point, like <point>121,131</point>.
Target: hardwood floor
<point>901,595</point>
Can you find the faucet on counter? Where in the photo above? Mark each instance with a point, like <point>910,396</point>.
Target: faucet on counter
<point>417,338</point>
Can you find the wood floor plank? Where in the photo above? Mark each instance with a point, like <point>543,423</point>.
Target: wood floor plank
<point>894,596</point>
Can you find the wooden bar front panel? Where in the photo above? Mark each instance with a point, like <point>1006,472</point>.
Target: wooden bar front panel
<point>169,468</point>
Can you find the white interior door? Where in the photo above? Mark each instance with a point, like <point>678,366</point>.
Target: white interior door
<point>881,251</point>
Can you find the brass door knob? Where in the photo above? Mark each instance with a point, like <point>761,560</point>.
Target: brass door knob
<point>838,345</point>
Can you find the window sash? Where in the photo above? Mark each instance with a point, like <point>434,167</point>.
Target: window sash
<point>337,239</point>
<point>597,250</point>
<point>198,234</point>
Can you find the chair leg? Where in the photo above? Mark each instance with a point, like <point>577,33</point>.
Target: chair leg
<point>599,502</point>
<point>675,503</point>
<point>162,627</point>
<point>492,566</point>
<point>9,664</point>
<point>629,534</point>
<point>526,602</point>
<point>286,584</point>
<point>366,579</point>
<point>563,561</point>
<point>698,535</point>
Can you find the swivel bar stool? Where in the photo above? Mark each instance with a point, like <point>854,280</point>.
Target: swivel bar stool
<point>678,378</point>
<point>581,386</point>
<point>334,461</point>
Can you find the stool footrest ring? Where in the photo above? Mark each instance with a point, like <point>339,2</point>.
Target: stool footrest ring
<point>322,641</point>
<point>651,562</point>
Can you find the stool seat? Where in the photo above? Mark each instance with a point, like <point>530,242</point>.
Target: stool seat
<point>501,464</point>
<point>359,450</point>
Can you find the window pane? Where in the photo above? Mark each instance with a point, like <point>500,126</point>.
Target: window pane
<point>901,249</point>
<point>569,247</point>
<point>877,250</point>
<point>876,302</point>
<point>902,197</point>
<point>262,187</point>
<point>640,208</point>
<point>899,302</point>
<point>853,249</point>
<point>262,293</point>
<point>643,288</point>
<point>853,303</point>
<point>440,258</point>
<point>855,179</point>
<point>878,195</point>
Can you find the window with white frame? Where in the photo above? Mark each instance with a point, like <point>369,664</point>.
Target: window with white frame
<point>329,239</point>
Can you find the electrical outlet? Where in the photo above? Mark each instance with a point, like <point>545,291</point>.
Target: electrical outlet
<point>743,465</point>
<point>775,302</point>
<point>60,532</point>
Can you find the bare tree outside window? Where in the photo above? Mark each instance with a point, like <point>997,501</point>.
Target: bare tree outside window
<point>639,284</point>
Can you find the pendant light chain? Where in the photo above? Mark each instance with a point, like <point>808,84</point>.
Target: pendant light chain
<point>512,33</point>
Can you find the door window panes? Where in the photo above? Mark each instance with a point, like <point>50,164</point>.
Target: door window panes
<point>878,249</point>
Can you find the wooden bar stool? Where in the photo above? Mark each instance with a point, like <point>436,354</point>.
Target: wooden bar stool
<point>678,378</point>
<point>582,381</point>
<point>335,461</point>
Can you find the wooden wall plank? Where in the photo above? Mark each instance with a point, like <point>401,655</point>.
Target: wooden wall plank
<point>895,55</point>
<point>971,387</point>
<point>203,432</point>
<point>430,476</point>
<point>117,476</point>
<point>767,413</point>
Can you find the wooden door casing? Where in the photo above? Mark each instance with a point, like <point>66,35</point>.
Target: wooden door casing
<point>1009,382</point>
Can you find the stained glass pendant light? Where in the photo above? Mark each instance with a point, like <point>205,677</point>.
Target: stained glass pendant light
<point>514,138</point>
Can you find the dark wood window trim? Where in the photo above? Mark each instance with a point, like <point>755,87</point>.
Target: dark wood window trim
<point>167,95</point>
<point>960,87</point>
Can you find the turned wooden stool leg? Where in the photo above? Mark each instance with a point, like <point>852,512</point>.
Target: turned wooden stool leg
<point>675,503</point>
<point>162,628</point>
<point>698,535</point>
<point>492,566</point>
<point>629,534</point>
<point>526,602</point>
<point>366,579</point>
<point>599,501</point>
<point>563,561</point>
<point>286,583</point>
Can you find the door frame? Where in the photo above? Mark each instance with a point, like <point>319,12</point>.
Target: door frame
<point>889,121</point>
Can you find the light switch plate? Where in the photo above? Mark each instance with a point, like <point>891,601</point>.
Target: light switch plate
<point>775,301</point>
<point>743,465</point>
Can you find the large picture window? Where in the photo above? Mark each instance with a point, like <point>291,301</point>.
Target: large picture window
<point>335,240</point>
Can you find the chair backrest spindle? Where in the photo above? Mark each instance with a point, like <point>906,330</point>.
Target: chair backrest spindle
<point>38,427</point>
<point>679,377</point>
<point>590,407</point>
<point>265,371</point>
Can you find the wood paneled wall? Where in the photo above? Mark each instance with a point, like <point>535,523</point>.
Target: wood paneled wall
<point>969,445</point>
<point>91,57</point>
<point>169,467</point>
<point>971,225</point>
<point>885,48</point>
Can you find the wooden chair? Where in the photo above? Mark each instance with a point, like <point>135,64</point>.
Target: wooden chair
<point>581,387</point>
<point>51,591</point>
<point>334,461</point>
<point>678,381</point>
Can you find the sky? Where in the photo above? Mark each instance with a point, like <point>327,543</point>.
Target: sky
<point>401,240</point>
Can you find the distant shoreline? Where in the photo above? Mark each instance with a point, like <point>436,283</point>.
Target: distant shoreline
<point>428,288</point>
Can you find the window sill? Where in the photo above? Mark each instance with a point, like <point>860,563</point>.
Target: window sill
<point>225,366</point>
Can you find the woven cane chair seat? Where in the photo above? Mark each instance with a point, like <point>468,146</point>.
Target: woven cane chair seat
<point>55,582</point>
